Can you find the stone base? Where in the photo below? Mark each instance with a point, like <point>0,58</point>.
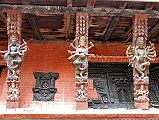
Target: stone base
<point>143,106</point>
<point>83,105</point>
<point>12,105</point>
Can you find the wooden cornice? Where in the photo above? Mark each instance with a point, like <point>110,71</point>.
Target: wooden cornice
<point>35,9</point>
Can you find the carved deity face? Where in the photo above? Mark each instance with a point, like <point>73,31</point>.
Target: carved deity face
<point>140,42</point>
<point>13,39</point>
<point>13,85</point>
<point>142,87</point>
<point>82,41</point>
<point>82,87</point>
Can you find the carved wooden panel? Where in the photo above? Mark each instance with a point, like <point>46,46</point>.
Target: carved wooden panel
<point>44,89</point>
<point>114,85</point>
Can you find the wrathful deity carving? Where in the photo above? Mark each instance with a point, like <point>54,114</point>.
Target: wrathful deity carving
<point>13,57</point>
<point>81,93</point>
<point>13,92</point>
<point>80,58</point>
<point>138,57</point>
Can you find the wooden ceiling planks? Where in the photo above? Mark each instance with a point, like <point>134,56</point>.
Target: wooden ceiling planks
<point>60,26</point>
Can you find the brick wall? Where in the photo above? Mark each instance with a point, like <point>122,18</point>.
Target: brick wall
<point>113,53</point>
<point>47,57</point>
<point>3,85</point>
<point>51,56</point>
<point>113,49</point>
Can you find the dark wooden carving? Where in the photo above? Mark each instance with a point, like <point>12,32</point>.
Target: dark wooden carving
<point>44,89</point>
<point>114,85</point>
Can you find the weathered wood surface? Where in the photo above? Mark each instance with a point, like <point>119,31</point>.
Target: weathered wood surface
<point>35,26</point>
<point>92,11</point>
<point>128,34</point>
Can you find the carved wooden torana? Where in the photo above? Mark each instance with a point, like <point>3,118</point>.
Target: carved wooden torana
<point>44,89</point>
<point>14,55</point>
<point>139,55</point>
<point>79,57</point>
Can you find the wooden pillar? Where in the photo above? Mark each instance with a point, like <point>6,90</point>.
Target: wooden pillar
<point>79,59</point>
<point>139,55</point>
<point>13,57</point>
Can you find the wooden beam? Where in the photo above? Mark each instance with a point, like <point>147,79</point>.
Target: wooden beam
<point>110,28</point>
<point>92,11</point>
<point>128,34</point>
<point>149,6</point>
<point>68,20</point>
<point>90,3</point>
<point>35,27</point>
<point>140,0</point>
<point>112,24</point>
<point>36,1</point>
<point>154,29</point>
<point>33,22</point>
<point>3,18</point>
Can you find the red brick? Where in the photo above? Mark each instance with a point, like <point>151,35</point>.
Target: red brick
<point>51,56</point>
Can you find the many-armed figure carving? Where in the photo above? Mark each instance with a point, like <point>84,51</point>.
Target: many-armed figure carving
<point>13,56</point>
<point>13,93</point>
<point>141,94</point>
<point>138,56</point>
<point>80,58</point>
<point>81,93</point>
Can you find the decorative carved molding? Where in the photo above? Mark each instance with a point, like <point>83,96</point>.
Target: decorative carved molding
<point>44,89</point>
<point>79,57</point>
<point>14,55</point>
<point>139,55</point>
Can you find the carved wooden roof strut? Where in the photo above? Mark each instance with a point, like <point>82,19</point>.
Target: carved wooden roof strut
<point>128,34</point>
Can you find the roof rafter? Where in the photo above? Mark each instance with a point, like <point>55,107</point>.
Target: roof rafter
<point>90,3</point>
<point>35,27</point>
<point>154,29</point>
<point>3,18</point>
<point>33,22</point>
<point>68,20</point>
<point>112,24</point>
